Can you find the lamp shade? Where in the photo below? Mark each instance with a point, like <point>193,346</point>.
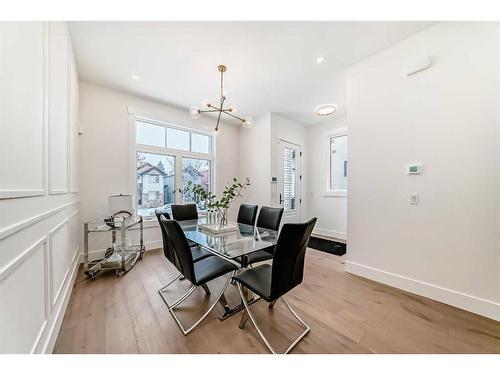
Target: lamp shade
<point>120,202</point>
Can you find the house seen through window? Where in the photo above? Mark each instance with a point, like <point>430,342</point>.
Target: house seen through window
<point>161,150</point>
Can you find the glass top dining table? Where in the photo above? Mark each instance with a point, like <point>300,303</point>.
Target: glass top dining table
<point>231,245</point>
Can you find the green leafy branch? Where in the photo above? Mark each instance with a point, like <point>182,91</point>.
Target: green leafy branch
<point>232,191</point>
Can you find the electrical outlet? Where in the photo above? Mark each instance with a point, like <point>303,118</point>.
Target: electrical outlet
<point>414,199</point>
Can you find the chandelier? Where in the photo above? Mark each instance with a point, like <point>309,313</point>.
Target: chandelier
<point>206,107</point>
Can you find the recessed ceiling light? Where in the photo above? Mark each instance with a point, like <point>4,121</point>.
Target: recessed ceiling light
<point>325,109</point>
<point>320,60</point>
<point>135,76</point>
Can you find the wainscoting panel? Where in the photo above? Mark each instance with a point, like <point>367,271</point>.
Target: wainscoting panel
<point>60,259</point>
<point>23,295</point>
<point>22,100</point>
<point>40,225</point>
<point>58,108</point>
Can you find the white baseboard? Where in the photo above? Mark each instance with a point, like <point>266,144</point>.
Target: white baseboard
<point>330,233</point>
<point>487,308</point>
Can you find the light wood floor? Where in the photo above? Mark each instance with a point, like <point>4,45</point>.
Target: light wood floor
<point>347,314</point>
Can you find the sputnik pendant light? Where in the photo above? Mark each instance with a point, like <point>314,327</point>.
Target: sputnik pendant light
<point>206,107</point>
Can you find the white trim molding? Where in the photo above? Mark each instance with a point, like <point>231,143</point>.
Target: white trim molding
<point>16,227</point>
<point>58,315</point>
<point>16,263</point>
<point>53,295</point>
<point>330,233</point>
<point>6,194</point>
<point>477,305</point>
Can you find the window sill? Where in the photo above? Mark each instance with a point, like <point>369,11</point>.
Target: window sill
<point>334,193</point>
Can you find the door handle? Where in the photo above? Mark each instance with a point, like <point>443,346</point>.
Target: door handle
<point>281,200</point>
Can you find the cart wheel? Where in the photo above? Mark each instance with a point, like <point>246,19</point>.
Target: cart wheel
<point>92,276</point>
<point>117,273</point>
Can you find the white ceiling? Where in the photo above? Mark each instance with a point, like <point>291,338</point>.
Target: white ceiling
<point>271,65</point>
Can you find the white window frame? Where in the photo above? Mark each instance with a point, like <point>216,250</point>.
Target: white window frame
<point>327,191</point>
<point>178,154</point>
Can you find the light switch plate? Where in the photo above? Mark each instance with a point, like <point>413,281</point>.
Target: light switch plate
<point>414,198</point>
<point>415,168</point>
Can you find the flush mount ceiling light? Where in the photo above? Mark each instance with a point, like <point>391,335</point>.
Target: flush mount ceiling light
<point>320,60</point>
<point>325,109</point>
<point>135,76</point>
<point>206,107</point>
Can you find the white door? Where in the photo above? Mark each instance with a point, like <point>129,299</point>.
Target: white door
<point>289,180</point>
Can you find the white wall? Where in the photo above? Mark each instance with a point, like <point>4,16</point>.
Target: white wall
<point>447,247</point>
<point>254,160</point>
<point>105,150</point>
<point>259,160</point>
<point>331,211</point>
<point>39,220</point>
<point>286,130</point>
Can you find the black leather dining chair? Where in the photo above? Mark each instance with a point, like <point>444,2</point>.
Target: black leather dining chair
<point>269,218</point>
<point>198,273</point>
<point>247,214</point>
<point>182,212</point>
<point>198,252</point>
<point>162,211</point>
<point>273,282</point>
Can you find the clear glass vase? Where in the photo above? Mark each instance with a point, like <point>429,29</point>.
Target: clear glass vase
<point>222,217</point>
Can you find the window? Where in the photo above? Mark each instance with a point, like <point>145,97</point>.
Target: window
<point>201,143</point>
<point>155,182</point>
<point>289,178</point>
<point>338,163</point>
<point>154,179</point>
<point>161,151</point>
<point>154,195</point>
<point>152,135</point>
<point>178,139</point>
<point>198,172</point>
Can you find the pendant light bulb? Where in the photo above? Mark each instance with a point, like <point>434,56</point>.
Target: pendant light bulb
<point>194,112</point>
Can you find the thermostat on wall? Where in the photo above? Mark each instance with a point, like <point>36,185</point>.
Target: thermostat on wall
<point>414,168</point>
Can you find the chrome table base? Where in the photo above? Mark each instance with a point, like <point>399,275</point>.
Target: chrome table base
<point>230,311</point>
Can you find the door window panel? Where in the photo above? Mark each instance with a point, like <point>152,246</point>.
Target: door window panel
<point>289,178</point>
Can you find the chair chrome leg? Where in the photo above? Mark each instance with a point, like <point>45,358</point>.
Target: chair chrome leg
<point>243,319</point>
<point>183,298</point>
<point>170,283</point>
<point>205,288</point>
<point>252,318</point>
<point>223,301</point>
<point>304,324</point>
<point>163,288</point>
